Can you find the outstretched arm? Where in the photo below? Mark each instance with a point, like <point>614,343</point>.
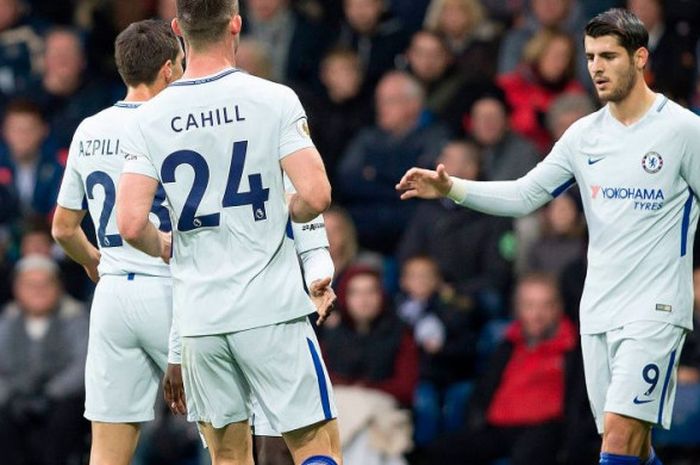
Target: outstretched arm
<point>520,197</point>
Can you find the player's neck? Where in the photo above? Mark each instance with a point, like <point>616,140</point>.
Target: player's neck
<point>140,93</point>
<point>209,61</point>
<point>632,108</point>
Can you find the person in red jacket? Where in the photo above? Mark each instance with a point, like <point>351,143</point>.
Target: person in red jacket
<point>528,405</point>
<point>546,71</point>
<point>370,346</point>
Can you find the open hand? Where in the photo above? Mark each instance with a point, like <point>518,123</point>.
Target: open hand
<point>174,390</point>
<point>425,184</point>
<point>323,297</point>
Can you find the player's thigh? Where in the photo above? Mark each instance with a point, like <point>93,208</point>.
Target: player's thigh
<point>229,445</point>
<point>596,366</point>
<point>286,373</point>
<point>216,390</point>
<point>153,302</point>
<point>643,371</point>
<point>121,380</point>
<point>113,443</point>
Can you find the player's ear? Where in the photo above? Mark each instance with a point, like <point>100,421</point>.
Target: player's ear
<point>167,71</point>
<point>175,25</point>
<point>641,56</point>
<point>236,24</point>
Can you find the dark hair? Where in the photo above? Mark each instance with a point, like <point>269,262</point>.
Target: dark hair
<point>205,21</point>
<point>142,49</point>
<point>21,105</point>
<point>629,30</point>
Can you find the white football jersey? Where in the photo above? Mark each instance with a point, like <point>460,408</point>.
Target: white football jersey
<point>639,186</point>
<point>216,143</point>
<point>90,182</point>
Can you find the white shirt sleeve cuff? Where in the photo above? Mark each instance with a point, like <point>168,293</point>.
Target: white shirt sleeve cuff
<point>458,191</point>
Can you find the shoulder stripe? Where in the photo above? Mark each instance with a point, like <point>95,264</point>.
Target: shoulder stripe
<point>563,188</point>
<point>662,104</point>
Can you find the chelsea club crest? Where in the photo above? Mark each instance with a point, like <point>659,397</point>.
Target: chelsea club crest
<point>652,162</point>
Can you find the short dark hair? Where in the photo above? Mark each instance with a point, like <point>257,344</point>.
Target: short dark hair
<point>142,49</point>
<point>629,30</point>
<point>205,21</point>
<point>26,106</point>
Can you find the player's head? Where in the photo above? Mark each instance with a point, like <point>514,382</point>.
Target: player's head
<point>616,49</point>
<point>148,53</point>
<point>538,305</point>
<point>204,23</point>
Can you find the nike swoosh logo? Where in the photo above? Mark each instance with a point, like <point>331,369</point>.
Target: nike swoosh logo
<point>638,402</point>
<point>592,161</point>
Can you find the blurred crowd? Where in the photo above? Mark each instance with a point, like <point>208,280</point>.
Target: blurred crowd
<point>458,328</point>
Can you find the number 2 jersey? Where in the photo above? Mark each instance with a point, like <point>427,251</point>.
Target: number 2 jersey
<point>95,163</point>
<point>639,187</point>
<point>215,144</point>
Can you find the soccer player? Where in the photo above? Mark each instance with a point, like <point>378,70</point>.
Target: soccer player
<point>131,310</point>
<point>637,164</point>
<point>219,141</point>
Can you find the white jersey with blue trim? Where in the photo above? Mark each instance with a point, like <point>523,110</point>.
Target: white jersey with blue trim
<point>639,186</point>
<point>215,144</point>
<point>90,181</point>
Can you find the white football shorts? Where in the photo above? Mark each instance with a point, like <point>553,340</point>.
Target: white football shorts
<point>631,371</point>
<point>128,347</point>
<point>280,365</point>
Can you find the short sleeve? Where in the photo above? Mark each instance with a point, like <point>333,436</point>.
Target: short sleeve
<point>133,148</point>
<point>295,134</point>
<point>72,192</point>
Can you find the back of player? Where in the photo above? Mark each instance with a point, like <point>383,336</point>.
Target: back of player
<point>218,141</point>
<point>215,144</point>
<point>131,311</point>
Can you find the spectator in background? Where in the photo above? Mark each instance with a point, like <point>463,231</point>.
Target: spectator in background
<point>473,251</point>
<point>671,67</point>
<point>528,400</point>
<point>370,347</point>
<point>43,338</point>
<point>564,15</point>
<point>167,9</point>
<point>294,43</point>
<point>505,155</point>
<point>20,50</point>
<point>546,72</point>
<point>566,109</point>
<point>376,36</point>
<point>339,111</point>
<point>344,248</point>
<point>446,340</point>
<point>377,157</point>
<point>431,62</point>
<point>252,57</point>
<point>562,241</point>
<point>64,93</point>
<point>471,37</point>
<point>28,159</point>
